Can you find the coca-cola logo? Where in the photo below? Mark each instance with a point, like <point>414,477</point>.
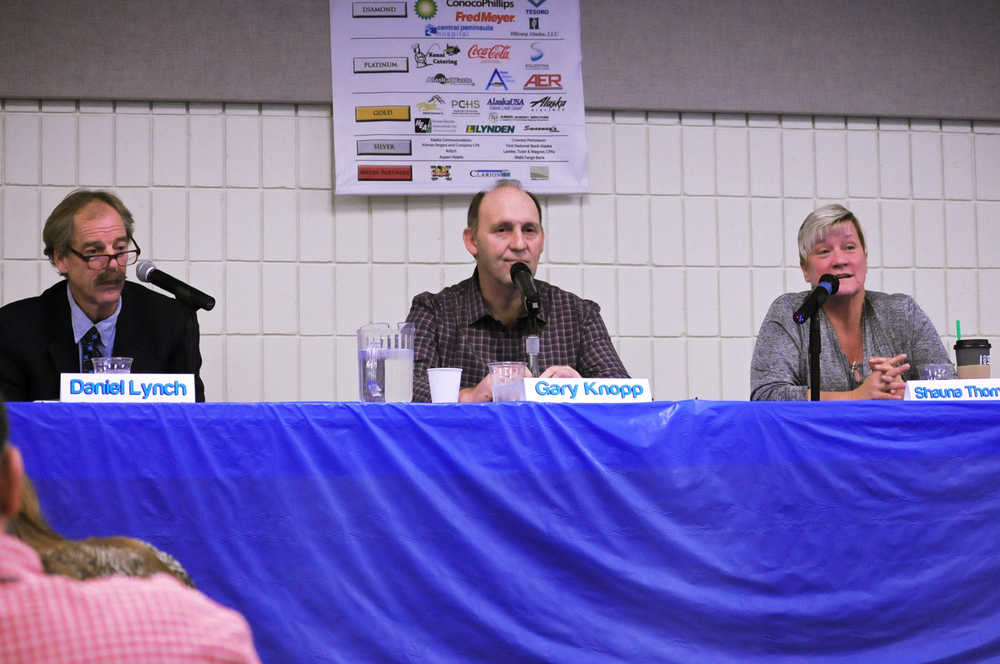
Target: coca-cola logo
<point>494,52</point>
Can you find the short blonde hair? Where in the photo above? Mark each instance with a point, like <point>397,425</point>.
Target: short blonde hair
<point>818,224</point>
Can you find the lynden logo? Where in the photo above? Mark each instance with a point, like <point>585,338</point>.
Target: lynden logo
<point>495,52</point>
<point>489,129</point>
<point>484,17</point>
<point>435,55</point>
<point>422,126</point>
<point>426,9</point>
<point>544,82</point>
<point>548,103</point>
<point>379,10</point>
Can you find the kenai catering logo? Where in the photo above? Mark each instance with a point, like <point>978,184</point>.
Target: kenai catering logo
<point>426,9</point>
<point>435,55</point>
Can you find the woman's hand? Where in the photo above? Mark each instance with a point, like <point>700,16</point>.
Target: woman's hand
<point>886,379</point>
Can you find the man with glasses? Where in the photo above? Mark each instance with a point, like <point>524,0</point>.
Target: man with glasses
<point>94,311</point>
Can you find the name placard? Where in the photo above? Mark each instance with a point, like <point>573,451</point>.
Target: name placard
<point>587,390</point>
<point>126,388</point>
<point>963,389</point>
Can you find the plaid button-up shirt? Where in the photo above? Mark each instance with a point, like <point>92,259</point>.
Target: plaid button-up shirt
<point>455,329</point>
<point>54,619</point>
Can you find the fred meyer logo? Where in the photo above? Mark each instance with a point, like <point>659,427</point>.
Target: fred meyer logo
<point>381,113</point>
<point>544,82</point>
<point>548,103</point>
<point>489,129</point>
<point>484,17</point>
<point>494,52</point>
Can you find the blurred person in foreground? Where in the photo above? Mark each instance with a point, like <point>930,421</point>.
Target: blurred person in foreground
<point>872,342</point>
<point>91,557</point>
<point>93,311</point>
<point>49,619</point>
<point>482,319</point>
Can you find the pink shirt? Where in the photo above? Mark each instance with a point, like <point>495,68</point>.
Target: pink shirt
<point>53,619</point>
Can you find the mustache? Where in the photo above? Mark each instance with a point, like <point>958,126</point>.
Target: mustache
<point>110,278</point>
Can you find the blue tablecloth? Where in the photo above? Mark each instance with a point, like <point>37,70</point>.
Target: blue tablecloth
<point>667,532</point>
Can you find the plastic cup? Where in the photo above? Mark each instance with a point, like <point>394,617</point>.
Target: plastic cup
<point>937,372</point>
<point>508,381</point>
<point>112,364</point>
<point>973,358</point>
<point>445,383</point>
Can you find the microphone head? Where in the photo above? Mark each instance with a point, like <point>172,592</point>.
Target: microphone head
<point>143,269</point>
<point>518,268</point>
<point>830,283</point>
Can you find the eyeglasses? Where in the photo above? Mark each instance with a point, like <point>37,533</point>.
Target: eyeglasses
<point>101,261</point>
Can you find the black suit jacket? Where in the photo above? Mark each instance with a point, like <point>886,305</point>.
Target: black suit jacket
<point>36,341</point>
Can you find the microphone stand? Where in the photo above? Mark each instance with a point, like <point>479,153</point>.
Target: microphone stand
<point>814,350</point>
<point>532,344</point>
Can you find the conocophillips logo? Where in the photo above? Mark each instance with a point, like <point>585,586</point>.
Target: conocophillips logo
<point>497,4</point>
<point>425,9</point>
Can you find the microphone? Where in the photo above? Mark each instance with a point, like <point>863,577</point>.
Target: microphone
<point>828,285</point>
<point>192,297</point>
<point>520,274</point>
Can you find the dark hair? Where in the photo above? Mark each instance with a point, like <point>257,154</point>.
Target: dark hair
<point>472,220</point>
<point>58,232</point>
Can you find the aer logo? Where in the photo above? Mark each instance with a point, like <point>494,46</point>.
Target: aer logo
<point>544,82</point>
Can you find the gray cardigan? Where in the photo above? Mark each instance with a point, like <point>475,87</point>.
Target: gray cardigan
<point>890,324</point>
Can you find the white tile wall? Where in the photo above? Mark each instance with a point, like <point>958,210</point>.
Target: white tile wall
<point>687,235</point>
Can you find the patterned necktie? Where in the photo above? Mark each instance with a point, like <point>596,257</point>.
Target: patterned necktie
<point>90,347</point>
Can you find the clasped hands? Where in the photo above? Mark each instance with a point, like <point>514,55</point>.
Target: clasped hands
<point>483,391</point>
<point>886,379</point>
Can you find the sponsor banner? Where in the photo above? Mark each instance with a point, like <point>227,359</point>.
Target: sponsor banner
<point>472,91</point>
